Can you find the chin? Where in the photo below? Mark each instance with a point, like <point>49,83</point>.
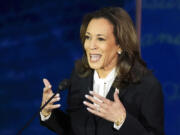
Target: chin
<point>94,66</point>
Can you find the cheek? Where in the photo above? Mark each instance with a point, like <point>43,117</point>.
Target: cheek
<point>109,51</point>
<point>86,45</point>
<point>110,54</point>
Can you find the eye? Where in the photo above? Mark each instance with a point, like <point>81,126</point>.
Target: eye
<point>87,37</point>
<point>101,39</point>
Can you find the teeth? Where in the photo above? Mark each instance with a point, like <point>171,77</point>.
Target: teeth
<point>95,57</point>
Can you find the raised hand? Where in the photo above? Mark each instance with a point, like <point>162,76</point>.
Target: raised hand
<point>47,93</point>
<point>110,110</point>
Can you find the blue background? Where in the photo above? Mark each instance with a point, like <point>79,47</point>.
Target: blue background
<point>40,39</point>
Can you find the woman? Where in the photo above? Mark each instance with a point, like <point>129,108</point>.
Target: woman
<point>112,91</point>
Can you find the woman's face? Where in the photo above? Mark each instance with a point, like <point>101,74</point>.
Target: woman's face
<point>100,45</point>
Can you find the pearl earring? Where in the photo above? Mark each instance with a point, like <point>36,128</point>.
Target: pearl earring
<point>119,52</point>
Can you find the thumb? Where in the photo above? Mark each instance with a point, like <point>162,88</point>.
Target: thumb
<point>116,97</point>
<point>48,86</point>
<point>46,83</point>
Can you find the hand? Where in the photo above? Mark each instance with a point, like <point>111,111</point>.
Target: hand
<point>47,93</point>
<point>105,108</point>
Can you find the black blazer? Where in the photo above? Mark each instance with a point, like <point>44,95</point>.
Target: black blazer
<point>143,103</point>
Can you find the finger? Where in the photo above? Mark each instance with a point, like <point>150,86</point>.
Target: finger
<point>93,99</point>
<point>57,95</point>
<point>46,82</point>
<point>95,112</point>
<point>103,99</point>
<point>96,101</point>
<point>47,89</point>
<point>48,96</point>
<point>54,100</point>
<point>116,97</point>
<point>51,102</point>
<point>50,107</point>
<point>93,106</point>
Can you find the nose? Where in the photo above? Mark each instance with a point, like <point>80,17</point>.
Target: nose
<point>92,44</point>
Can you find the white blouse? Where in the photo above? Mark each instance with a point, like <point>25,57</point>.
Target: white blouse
<point>103,85</point>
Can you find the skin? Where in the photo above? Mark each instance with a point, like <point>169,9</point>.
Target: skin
<point>107,109</point>
<point>100,41</point>
<point>47,93</point>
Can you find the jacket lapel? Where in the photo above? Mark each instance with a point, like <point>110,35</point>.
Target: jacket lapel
<point>122,92</point>
<point>110,94</point>
<point>89,83</point>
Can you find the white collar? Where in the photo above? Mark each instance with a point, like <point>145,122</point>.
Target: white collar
<point>103,85</point>
<point>109,77</point>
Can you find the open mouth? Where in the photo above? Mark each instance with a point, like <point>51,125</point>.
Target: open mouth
<point>95,57</point>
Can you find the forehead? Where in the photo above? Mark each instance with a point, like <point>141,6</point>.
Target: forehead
<point>100,26</point>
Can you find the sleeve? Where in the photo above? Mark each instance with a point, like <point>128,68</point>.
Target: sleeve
<point>44,118</point>
<point>58,122</point>
<point>151,119</point>
<point>117,127</point>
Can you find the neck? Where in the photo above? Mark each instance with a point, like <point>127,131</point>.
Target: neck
<point>102,73</point>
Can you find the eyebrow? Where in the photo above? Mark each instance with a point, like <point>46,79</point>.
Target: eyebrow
<point>97,34</point>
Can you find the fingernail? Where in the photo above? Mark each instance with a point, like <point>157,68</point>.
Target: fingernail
<point>84,102</point>
<point>58,98</point>
<point>58,105</point>
<point>49,86</point>
<point>86,96</point>
<point>117,90</point>
<point>91,92</point>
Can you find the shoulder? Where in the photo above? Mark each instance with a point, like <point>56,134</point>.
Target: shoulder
<point>147,85</point>
<point>150,84</point>
<point>150,80</point>
<point>78,80</point>
<point>76,75</point>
